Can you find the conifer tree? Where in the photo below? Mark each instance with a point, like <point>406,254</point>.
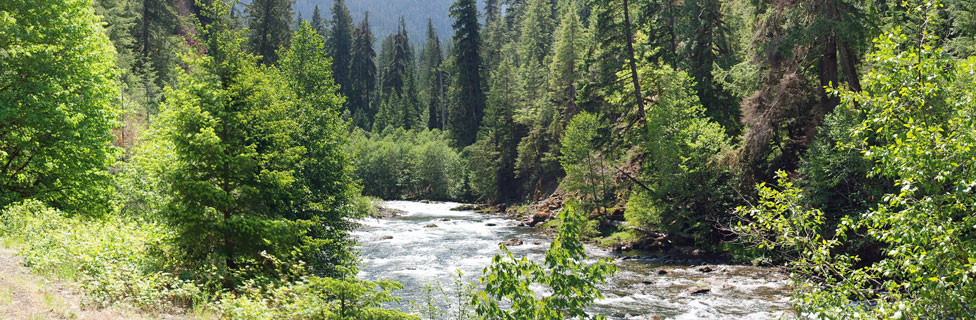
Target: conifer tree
<point>317,22</point>
<point>432,79</point>
<point>708,42</point>
<point>269,22</point>
<point>465,117</point>
<point>362,78</point>
<point>155,39</point>
<point>340,44</point>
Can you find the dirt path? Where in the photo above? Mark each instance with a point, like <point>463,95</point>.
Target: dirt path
<point>27,296</point>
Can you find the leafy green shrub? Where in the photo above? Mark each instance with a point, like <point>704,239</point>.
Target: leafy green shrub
<point>114,260</point>
<point>918,130</point>
<point>403,164</point>
<point>314,298</point>
<point>569,283</point>
<point>587,170</point>
<point>689,187</point>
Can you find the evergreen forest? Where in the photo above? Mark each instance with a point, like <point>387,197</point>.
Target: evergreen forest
<point>222,159</point>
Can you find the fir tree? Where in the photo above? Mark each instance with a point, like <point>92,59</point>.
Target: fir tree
<point>269,22</point>
<point>317,22</point>
<point>362,80</point>
<point>432,79</point>
<point>340,44</point>
<point>465,117</point>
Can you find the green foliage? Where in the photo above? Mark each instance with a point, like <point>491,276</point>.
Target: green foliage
<point>315,298</point>
<point>115,260</point>
<point>269,23</point>
<point>398,163</point>
<point>917,130</point>
<point>689,188</point>
<point>569,284</point>
<point>465,117</point>
<point>340,45</point>
<point>362,79</point>
<point>587,171</point>
<point>57,105</point>
<point>258,169</point>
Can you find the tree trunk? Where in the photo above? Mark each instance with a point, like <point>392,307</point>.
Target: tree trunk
<point>633,60</point>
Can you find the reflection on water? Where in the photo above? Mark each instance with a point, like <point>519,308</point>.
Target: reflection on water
<point>429,242</point>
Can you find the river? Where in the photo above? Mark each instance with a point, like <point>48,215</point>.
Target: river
<point>428,243</point>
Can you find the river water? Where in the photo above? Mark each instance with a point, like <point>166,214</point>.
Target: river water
<point>409,249</point>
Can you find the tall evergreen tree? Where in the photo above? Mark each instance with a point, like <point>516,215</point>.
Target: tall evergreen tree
<point>269,22</point>
<point>156,37</point>
<point>362,78</point>
<point>120,21</point>
<point>317,22</point>
<point>465,117</point>
<point>340,44</point>
<point>432,79</point>
<point>708,42</point>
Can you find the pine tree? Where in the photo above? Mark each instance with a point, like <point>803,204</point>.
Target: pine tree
<point>120,21</point>
<point>156,37</point>
<point>566,54</point>
<point>465,117</point>
<point>362,78</point>
<point>432,79</point>
<point>708,42</point>
<point>340,45</point>
<point>269,22</point>
<point>317,22</point>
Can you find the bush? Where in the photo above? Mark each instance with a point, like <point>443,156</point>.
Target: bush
<point>114,260</point>
<point>689,187</point>
<point>314,298</point>
<point>402,164</point>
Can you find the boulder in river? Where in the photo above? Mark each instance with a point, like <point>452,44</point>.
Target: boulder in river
<point>491,224</point>
<point>431,226</point>
<point>699,290</point>
<point>444,219</point>
<point>512,242</point>
<point>662,272</point>
<point>705,269</point>
<point>386,237</point>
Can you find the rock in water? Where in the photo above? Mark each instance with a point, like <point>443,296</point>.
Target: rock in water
<point>705,269</point>
<point>431,226</point>
<point>512,242</point>
<point>386,237</point>
<point>699,290</point>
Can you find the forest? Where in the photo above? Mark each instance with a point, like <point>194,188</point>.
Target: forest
<point>216,159</point>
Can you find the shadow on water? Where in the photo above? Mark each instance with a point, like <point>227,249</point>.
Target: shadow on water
<point>428,242</point>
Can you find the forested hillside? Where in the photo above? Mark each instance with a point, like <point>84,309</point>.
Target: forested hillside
<point>385,15</point>
<point>211,157</point>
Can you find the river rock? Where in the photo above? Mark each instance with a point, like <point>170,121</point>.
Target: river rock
<point>699,290</point>
<point>512,242</point>
<point>466,207</point>
<point>490,224</point>
<point>431,226</point>
<point>386,237</point>
<point>662,272</point>
<point>383,212</point>
<point>444,219</point>
<point>705,269</point>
